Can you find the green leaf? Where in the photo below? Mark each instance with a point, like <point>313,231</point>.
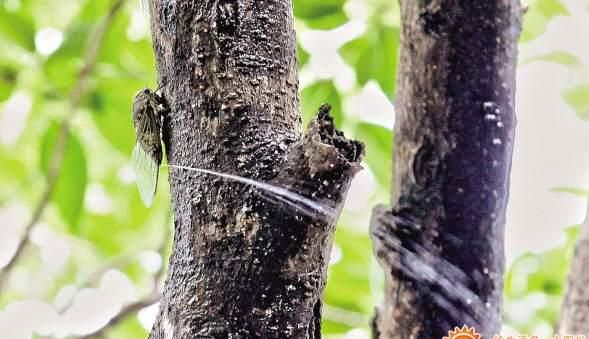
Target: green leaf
<point>129,219</point>
<point>129,328</point>
<point>61,67</point>
<point>578,98</point>
<point>302,55</point>
<point>374,55</point>
<point>115,41</point>
<point>559,57</point>
<point>348,286</point>
<point>540,274</point>
<point>111,105</point>
<point>121,57</point>
<point>379,147</point>
<point>580,192</point>
<point>8,78</point>
<point>325,14</point>
<point>12,173</point>
<point>551,8</point>
<point>93,10</point>
<point>18,28</point>
<point>70,187</point>
<point>312,97</point>
<point>539,14</point>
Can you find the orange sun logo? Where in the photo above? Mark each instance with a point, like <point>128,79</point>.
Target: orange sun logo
<point>463,333</point>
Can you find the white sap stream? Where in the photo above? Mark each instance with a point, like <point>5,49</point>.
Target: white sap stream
<point>453,295</point>
<point>301,203</point>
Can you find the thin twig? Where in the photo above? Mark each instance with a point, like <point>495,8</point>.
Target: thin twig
<point>93,278</point>
<point>124,260</point>
<point>95,42</point>
<point>153,297</point>
<point>126,311</point>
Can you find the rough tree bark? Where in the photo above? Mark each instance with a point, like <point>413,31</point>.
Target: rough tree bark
<point>441,244</point>
<point>244,263</point>
<point>574,317</point>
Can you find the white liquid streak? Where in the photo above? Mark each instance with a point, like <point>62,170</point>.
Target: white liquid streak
<point>304,204</point>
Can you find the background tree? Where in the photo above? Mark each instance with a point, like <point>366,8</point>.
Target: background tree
<point>441,244</point>
<point>574,312</point>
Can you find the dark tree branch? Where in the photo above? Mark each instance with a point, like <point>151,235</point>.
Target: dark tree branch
<point>441,243</point>
<point>245,263</point>
<point>77,92</point>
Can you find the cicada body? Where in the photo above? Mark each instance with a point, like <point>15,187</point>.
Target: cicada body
<point>147,154</point>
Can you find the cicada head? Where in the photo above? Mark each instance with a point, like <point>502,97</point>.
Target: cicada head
<point>141,106</point>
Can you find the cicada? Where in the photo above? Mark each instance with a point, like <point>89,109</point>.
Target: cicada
<point>148,108</point>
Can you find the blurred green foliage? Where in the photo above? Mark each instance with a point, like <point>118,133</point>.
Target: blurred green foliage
<point>71,184</point>
<point>97,153</point>
<point>538,15</point>
<point>535,284</point>
<point>578,98</point>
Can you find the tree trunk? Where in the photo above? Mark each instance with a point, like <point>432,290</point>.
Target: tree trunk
<point>246,263</point>
<point>441,244</point>
<point>574,317</point>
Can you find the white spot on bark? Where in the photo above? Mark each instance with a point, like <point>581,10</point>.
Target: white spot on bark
<point>488,104</point>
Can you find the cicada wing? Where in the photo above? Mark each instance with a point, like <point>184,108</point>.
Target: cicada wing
<point>145,6</point>
<point>146,171</point>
